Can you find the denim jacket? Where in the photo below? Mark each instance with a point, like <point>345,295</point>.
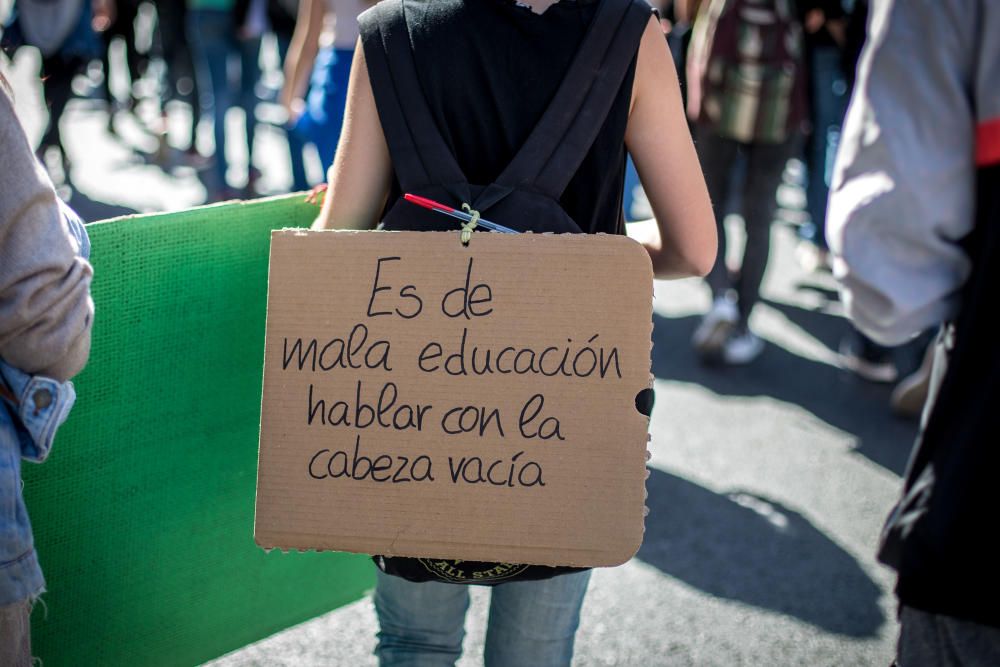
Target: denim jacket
<point>32,407</point>
<point>36,406</point>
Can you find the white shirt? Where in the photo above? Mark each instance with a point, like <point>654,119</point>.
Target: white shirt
<point>902,196</point>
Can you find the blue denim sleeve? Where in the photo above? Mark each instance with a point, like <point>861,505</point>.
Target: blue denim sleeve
<point>76,228</point>
<point>27,413</point>
<point>38,406</point>
<point>20,575</point>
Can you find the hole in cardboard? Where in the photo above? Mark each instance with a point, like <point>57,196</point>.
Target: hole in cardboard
<point>644,401</point>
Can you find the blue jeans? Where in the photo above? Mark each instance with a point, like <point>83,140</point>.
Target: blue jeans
<point>324,113</point>
<point>213,37</point>
<point>765,163</point>
<point>531,623</point>
<point>828,104</point>
<point>295,143</point>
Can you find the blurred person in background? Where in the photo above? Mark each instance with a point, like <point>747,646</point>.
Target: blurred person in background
<point>221,36</point>
<point>855,35</point>
<point>317,68</point>
<point>858,353</point>
<point>757,119</point>
<point>825,40</point>
<point>282,15</point>
<point>121,28</point>
<point>45,322</point>
<point>180,82</point>
<point>677,17</point>
<point>66,34</point>
<point>832,58</point>
<point>914,227</point>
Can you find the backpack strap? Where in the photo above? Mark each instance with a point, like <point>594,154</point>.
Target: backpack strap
<point>558,144</point>
<point>420,155</point>
<point>560,141</point>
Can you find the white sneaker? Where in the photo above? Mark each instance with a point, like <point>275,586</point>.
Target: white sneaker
<point>742,348</point>
<point>715,327</point>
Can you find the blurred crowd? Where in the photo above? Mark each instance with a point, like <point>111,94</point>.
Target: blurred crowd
<point>195,60</point>
<point>752,136</point>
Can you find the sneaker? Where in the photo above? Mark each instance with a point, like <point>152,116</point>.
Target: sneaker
<point>742,347</point>
<point>909,396</point>
<point>867,360</point>
<point>715,327</point>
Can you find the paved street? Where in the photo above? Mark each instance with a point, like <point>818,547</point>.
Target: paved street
<point>768,484</point>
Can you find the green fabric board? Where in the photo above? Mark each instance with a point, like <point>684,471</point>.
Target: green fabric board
<point>143,515</point>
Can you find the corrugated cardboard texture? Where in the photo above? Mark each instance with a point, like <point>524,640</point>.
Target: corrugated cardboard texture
<point>378,435</point>
<point>143,514</point>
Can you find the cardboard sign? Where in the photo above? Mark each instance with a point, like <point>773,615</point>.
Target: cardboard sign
<point>425,398</point>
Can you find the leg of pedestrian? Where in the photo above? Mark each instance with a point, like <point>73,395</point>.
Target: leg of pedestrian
<point>211,36</point>
<point>15,634</point>
<point>828,102</point>
<point>945,641</point>
<point>766,163</point>
<point>717,155</point>
<point>535,622</point>
<point>249,75</point>
<point>420,624</point>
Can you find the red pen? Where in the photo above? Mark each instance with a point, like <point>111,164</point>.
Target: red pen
<point>455,213</point>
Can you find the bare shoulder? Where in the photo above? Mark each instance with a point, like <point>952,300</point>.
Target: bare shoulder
<point>652,61</point>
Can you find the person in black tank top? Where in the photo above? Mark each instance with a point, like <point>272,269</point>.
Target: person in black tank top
<point>486,89</point>
<point>488,71</point>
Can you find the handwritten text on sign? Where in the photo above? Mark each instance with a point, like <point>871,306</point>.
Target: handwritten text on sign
<point>409,379</point>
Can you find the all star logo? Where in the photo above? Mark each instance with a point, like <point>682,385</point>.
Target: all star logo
<point>463,571</point>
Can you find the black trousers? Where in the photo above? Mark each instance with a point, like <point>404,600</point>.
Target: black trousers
<point>765,164</point>
<point>57,73</point>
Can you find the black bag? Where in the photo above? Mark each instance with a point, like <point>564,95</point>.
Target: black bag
<point>525,197</point>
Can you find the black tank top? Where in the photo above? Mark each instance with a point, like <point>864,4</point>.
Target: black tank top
<point>488,69</point>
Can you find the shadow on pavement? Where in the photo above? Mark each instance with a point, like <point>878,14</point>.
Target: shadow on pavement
<point>743,547</point>
<point>831,394</point>
<point>823,291</point>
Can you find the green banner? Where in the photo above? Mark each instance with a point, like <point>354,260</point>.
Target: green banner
<point>143,515</point>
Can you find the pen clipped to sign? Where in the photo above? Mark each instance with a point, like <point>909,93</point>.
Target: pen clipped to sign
<point>455,213</point>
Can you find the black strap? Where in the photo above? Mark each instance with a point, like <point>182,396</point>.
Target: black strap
<point>419,153</point>
<point>556,146</point>
<point>562,138</point>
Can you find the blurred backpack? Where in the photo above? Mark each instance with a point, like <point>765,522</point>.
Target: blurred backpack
<point>746,73</point>
<point>525,196</point>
